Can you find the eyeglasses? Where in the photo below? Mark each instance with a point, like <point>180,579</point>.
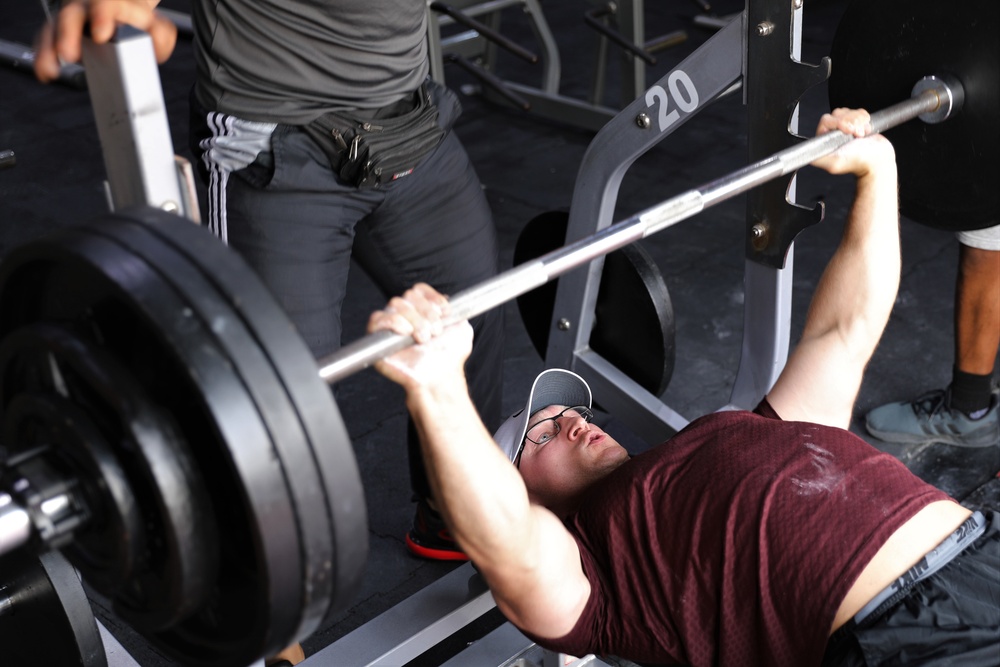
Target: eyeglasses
<point>548,428</point>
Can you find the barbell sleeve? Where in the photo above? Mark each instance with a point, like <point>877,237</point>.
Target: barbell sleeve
<point>15,524</point>
<point>930,96</point>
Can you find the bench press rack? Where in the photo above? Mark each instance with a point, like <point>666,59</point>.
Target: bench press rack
<point>746,50</point>
<point>749,53</point>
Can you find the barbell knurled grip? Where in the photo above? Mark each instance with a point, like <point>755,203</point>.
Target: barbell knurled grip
<point>500,289</point>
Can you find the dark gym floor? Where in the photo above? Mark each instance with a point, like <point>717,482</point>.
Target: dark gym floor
<point>529,165</point>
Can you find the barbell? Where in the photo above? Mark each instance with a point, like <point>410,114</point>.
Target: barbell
<point>933,99</point>
<point>166,427</point>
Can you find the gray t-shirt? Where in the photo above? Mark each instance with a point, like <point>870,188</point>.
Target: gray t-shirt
<point>289,61</point>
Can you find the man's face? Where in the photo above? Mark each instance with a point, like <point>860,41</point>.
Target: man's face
<point>576,457</point>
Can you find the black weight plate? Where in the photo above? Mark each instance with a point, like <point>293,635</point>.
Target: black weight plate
<point>272,401</point>
<point>77,277</point>
<point>633,318</point>
<point>543,233</point>
<point>178,563</point>
<point>46,618</point>
<point>297,369</point>
<point>948,172</point>
<point>108,552</point>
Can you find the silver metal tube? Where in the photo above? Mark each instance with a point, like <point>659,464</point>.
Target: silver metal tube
<point>794,158</point>
<point>526,277</point>
<point>22,56</point>
<point>15,524</point>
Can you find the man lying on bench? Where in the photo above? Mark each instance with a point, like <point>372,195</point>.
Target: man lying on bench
<point>772,537</point>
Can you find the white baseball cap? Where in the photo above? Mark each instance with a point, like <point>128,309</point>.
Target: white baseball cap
<point>554,386</point>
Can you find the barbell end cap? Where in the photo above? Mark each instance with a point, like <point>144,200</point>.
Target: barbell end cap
<point>950,94</point>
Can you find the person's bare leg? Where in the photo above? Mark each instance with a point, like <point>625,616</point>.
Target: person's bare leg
<point>977,310</point>
<point>977,330</point>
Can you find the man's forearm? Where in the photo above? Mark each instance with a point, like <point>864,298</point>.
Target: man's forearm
<point>480,494</point>
<point>848,312</point>
<point>858,288</point>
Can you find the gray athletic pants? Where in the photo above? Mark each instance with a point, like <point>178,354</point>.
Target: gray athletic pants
<point>274,199</point>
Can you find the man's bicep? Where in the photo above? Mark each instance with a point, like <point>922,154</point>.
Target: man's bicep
<point>547,599</point>
<point>818,384</point>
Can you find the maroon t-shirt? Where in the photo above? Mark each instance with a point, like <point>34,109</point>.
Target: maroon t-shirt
<point>735,542</point>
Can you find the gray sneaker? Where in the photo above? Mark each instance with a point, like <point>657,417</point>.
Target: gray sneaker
<point>929,418</point>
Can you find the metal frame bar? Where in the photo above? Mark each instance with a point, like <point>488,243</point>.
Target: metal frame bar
<point>22,56</point>
<point>116,654</point>
<point>127,99</point>
<point>131,118</point>
<point>768,287</point>
<point>508,647</point>
<point>416,624</point>
<point>428,617</point>
<point>469,43</point>
<point>545,99</point>
<point>631,22</point>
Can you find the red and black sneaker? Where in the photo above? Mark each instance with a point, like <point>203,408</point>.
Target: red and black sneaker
<point>429,537</point>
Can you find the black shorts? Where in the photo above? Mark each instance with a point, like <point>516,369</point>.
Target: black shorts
<point>951,617</point>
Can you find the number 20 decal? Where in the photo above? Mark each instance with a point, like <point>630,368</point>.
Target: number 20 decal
<point>682,91</point>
